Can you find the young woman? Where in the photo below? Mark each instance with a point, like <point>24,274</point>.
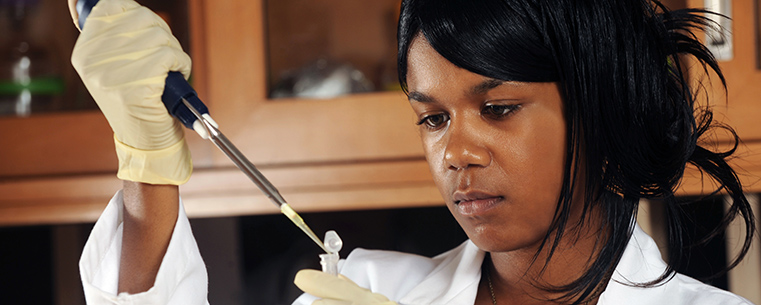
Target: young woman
<point>544,123</point>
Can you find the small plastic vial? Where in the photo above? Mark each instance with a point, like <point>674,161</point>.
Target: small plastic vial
<point>329,261</point>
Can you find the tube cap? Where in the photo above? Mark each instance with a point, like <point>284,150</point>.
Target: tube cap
<point>332,242</point>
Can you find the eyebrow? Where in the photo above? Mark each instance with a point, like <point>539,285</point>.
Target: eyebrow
<point>420,97</point>
<point>480,88</point>
<point>485,86</point>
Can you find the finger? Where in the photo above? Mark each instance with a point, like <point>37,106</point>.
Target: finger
<point>331,302</point>
<point>342,302</point>
<point>321,284</point>
<point>119,37</point>
<point>327,286</point>
<point>112,7</point>
<point>73,12</point>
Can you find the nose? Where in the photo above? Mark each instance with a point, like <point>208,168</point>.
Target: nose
<point>465,148</point>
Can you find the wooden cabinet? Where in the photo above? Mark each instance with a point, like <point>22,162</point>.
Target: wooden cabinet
<point>351,152</point>
<point>740,105</point>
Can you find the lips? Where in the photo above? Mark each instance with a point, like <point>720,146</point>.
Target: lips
<point>474,203</point>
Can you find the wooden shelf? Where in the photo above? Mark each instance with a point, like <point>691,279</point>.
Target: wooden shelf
<point>227,192</point>
<point>308,188</point>
<point>746,162</point>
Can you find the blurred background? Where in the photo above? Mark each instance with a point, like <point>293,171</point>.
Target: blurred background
<point>307,89</point>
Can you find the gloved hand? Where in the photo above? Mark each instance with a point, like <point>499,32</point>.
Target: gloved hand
<point>336,290</point>
<point>123,56</point>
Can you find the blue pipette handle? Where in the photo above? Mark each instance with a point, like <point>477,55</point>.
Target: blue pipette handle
<point>176,87</point>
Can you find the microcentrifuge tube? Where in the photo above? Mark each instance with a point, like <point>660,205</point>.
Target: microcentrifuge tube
<point>329,261</point>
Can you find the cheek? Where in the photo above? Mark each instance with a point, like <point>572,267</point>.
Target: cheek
<point>428,144</point>
<point>434,150</point>
<point>542,160</point>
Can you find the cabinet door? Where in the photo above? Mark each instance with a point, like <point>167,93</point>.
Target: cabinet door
<point>740,105</point>
<point>358,127</point>
<point>72,138</point>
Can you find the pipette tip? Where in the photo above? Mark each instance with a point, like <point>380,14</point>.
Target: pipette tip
<point>299,222</point>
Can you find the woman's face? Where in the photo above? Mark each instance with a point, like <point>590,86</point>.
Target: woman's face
<point>496,149</point>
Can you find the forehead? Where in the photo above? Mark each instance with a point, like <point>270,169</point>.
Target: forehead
<point>427,70</point>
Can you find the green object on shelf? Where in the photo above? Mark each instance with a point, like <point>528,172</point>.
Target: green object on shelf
<point>38,86</point>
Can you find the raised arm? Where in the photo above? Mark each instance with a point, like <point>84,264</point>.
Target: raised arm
<point>149,215</point>
<point>123,55</point>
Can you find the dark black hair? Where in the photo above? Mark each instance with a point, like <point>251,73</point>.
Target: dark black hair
<point>631,113</point>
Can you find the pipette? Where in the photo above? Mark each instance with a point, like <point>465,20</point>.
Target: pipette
<point>182,102</point>
<point>208,125</point>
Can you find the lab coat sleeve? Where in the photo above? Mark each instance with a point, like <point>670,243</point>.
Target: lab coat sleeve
<point>181,278</point>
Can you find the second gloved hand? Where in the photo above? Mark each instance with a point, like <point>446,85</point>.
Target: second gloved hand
<point>336,290</point>
<point>123,56</point>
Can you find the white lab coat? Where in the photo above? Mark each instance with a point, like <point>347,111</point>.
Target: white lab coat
<point>449,278</point>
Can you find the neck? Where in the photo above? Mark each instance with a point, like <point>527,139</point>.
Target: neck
<point>525,278</point>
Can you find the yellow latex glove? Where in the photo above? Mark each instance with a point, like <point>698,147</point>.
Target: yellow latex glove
<point>336,290</point>
<point>123,56</point>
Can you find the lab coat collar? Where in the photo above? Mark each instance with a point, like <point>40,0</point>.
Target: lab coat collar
<point>641,263</point>
<point>454,280</point>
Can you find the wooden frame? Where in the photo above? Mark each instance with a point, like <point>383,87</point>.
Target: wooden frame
<point>757,17</point>
<point>227,192</point>
<point>60,168</point>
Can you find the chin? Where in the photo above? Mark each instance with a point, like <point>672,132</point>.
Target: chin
<point>493,246</point>
<point>496,240</point>
<point>488,239</point>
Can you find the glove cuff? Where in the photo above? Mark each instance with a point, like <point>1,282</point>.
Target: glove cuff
<point>171,165</point>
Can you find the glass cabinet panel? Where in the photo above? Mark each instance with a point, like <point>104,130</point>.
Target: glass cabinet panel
<point>327,48</point>
<point>36,40</point>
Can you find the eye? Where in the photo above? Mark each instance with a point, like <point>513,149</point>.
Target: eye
<point>434,121</point>
<point>499,111</point>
